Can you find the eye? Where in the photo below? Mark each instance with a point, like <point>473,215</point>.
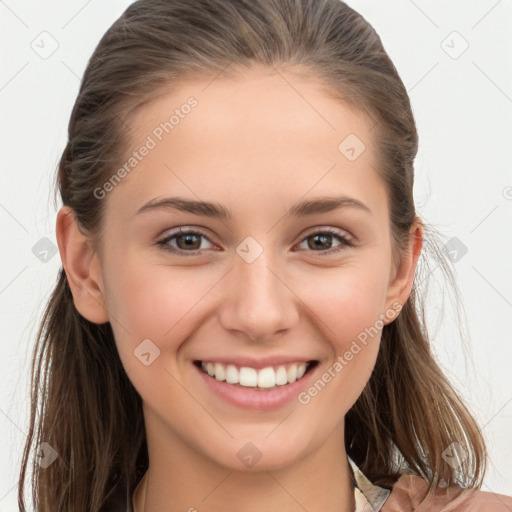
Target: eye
<point>188,242</point>
<point>323,238</point>
<point>185,240</point>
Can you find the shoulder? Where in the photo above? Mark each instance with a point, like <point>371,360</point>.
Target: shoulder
<point>408,491</point>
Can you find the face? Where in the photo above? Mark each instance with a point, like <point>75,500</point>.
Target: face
<point>272,284</point>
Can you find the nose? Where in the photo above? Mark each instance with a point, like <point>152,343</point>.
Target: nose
<point>258,301</point>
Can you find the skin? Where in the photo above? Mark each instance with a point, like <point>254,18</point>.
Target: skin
<point>257,146</point>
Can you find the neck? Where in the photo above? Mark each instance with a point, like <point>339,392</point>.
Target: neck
<point>188,481</point>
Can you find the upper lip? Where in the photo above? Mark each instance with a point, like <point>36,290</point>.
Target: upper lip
<point>257,363</point>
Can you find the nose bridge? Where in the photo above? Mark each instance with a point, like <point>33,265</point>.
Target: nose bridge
<point>259,303</point>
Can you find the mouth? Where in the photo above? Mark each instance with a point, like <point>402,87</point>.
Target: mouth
<point>263,379</point>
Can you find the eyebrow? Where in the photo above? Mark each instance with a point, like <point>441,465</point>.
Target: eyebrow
<point>215,210</point>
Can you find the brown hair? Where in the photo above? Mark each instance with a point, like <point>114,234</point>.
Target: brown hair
<point>90,412</point>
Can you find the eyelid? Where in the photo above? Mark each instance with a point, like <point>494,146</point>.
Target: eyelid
<point>329,229</point>
<point>184,230</point>
<point>346,239</point>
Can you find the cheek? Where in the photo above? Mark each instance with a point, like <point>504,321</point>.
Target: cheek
<point>348,309</point>
<point>346,301</point>
<point>149,301</point>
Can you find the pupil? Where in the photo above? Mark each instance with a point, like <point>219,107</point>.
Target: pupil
<point>323,239</point>
<point>189,242</point>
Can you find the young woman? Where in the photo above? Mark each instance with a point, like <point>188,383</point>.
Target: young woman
<point>237,324</point>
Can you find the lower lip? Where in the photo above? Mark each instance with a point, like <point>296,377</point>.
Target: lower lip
<point>264,400</point>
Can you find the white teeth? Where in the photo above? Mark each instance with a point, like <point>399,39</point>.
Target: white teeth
<point>281,376</point>
<point>232,376</point>
<point>250,377</point>
<point>266,378</point>
<point>292,373</point>
<point>219,372</point>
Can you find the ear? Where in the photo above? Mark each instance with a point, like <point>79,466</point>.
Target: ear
<point>401,283</point>
<point>82,268</point>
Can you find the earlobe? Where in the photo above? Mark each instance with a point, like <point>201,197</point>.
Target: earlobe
<point>401,285</point>
<point>81,266</point>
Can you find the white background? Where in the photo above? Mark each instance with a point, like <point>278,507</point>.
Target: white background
<point>463,109</point>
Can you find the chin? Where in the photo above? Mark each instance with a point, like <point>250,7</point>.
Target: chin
<point>260,453</point>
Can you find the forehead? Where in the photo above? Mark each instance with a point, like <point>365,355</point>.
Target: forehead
<point>257,106</point>
<point>274,132</point>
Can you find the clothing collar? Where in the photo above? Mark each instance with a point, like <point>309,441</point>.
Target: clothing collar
<point>369,497</point>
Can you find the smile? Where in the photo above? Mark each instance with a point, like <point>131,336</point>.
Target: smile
<point>264,378</point>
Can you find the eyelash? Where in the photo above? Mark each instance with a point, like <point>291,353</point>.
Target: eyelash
<point>164,243</point>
